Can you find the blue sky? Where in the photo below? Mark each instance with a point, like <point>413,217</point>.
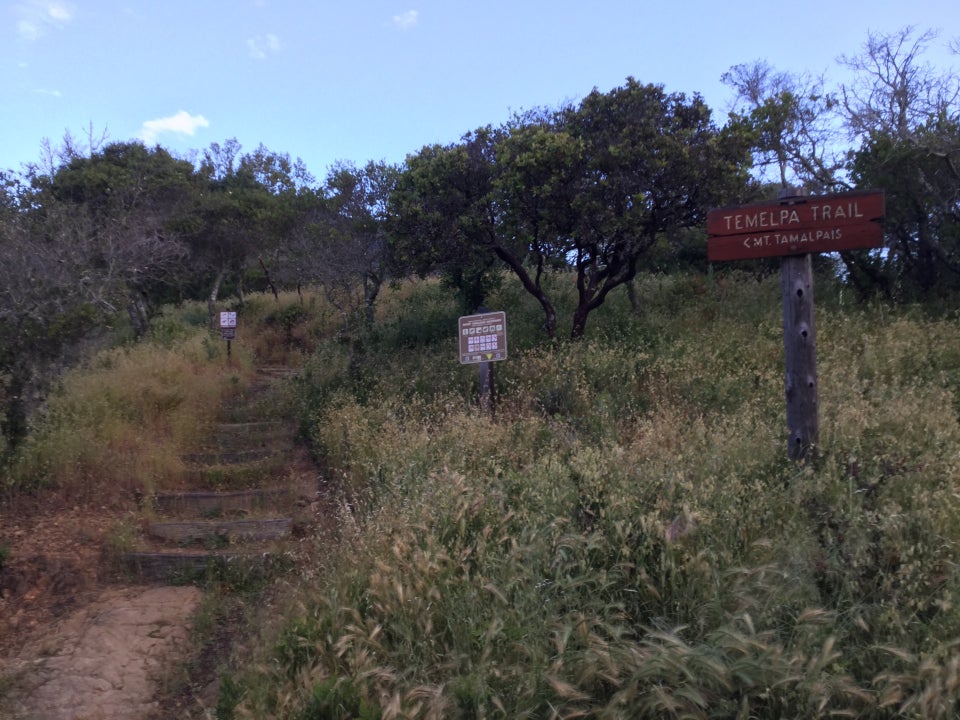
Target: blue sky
<point>378,79</point>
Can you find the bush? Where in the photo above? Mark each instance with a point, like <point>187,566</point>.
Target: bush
<point>627,536</point>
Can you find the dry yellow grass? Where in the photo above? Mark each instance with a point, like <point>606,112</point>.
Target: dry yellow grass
<point>118,425</point>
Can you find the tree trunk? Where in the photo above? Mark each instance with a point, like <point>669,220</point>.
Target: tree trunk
<point>550,314</point>
<point>371,289</point>
<point>926,257</point>
<point>137,311</point>
<point>13,424</point>
<point>266,274</point>
<point>212,300</point>
<point>592,297</point>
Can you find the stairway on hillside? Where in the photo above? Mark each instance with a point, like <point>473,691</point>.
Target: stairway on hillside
<point>244,497</point>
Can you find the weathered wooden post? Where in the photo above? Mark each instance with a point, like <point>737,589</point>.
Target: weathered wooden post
<point>794,227</point>
<point>488,401</point>
<point>800,355</point>
<point>799,348</point>
<point>483,341</point>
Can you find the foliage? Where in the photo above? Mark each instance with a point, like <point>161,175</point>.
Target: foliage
<point>443,215</point>
<point>98,235</point>
<point>590,188</point>
<point>922,220</point>
<point>627,537</point>
<point>901,118</point>
<point>789,117</point>
<point>655,162</point>
<point>100,240</point>
<point>906,117</point>
<point>132,199</point>
<point>117,426</point>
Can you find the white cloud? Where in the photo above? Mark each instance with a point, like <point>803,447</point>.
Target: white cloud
<point>263,45</point>
<point>38,16</point>
<point>183,123</point>
<point>407,20</point>
<point>58,12</point>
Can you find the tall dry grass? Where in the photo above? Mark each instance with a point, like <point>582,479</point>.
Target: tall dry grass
<point>626,538</point>
<point>117,425</point>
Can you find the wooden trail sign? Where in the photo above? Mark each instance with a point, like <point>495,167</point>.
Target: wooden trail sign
<point>794,227</point>
<point>828,223</point>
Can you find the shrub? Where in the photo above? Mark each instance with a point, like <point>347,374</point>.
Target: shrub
<point>627,537</point>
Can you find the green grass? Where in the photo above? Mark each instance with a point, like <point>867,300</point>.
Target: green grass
<point>627,537</point>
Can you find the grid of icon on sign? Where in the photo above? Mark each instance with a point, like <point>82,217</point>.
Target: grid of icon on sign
<point>483,338</point>
<point>484,342</point>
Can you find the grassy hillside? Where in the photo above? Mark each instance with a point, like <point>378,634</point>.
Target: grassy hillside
<point>117,425</point>
<point>626,538</point>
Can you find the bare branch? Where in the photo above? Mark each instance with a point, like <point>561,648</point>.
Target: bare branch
<point>894,90</point>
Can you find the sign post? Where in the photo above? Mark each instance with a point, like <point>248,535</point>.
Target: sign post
<point>483,341</point>
<point>793,227</point>
<point>228,327</point>
<point>800,355</point>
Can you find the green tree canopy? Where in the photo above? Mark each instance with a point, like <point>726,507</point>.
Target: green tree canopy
<point>655,162</point>
<point>443,217</point>
<point>588,188</point>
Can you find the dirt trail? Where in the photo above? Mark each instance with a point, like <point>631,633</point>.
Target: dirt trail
<point>103,661</point>
<point>78,639</point>
<point>75,642</point>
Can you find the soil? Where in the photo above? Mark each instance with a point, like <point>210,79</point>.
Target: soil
<point>80,639</point>
<point>77,640</point>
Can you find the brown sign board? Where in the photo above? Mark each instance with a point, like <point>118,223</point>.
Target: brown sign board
<point>228,333</point>
<point>483,338</point>
<point>797,226</point>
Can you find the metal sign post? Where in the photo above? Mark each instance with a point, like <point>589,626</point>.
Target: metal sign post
<point>794,227</point>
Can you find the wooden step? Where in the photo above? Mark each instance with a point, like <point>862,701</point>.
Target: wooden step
<point>223,531</point>
<point>252,446</point>
<point>223,457</point>
<point>210,502</point>
<point>252,408</point>
<point>187,567</point>
<point>256,428</point>
<point>238,476</point>
<point>277,372</point>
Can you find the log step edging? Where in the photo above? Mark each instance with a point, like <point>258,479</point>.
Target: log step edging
<point>200,502</point>
<point>189,567</point>
<point>238,457</point>
<point>255,426</point>
<point>225,530</point>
